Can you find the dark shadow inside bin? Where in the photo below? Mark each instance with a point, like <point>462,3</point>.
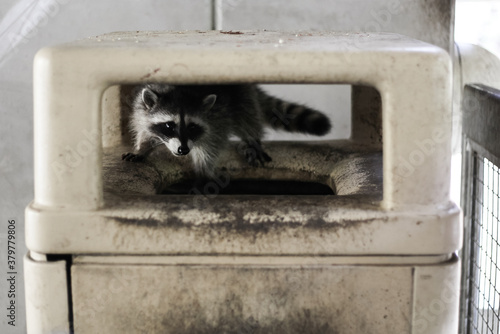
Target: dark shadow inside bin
<point>255,187</point>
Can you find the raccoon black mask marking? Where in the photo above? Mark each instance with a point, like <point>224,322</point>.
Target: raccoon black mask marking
<point>199,120</point>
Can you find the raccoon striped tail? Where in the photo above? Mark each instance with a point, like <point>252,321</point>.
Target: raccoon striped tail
<point>292,117</point>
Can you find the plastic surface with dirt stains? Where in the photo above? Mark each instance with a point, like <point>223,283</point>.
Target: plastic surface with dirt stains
<point>250,262</point>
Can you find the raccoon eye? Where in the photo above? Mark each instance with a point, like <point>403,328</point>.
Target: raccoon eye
<point>194,131</point>
<point>169,129</point>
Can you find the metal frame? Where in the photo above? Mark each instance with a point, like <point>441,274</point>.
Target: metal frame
<point>481,122</point>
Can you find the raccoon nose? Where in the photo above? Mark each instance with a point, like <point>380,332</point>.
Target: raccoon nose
<point>183,150</point>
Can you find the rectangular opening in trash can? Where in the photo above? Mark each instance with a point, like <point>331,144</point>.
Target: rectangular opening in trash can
<point>301,164</point>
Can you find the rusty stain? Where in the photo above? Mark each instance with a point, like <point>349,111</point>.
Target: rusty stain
<point>156,70</point>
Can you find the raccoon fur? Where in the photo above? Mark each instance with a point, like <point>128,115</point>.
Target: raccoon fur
<point>200,119</point>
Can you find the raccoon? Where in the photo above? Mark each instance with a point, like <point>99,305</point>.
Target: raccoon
<point>200,119</point>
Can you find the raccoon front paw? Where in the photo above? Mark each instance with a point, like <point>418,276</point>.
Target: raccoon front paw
<point>255,154</point>
<point>132,157</point>
<point>264,157</point>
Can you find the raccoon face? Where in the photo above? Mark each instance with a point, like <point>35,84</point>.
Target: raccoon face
<point>174,119</point>
<point>179,137</point>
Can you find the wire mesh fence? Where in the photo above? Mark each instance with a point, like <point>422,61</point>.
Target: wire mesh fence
<point>482,268</point>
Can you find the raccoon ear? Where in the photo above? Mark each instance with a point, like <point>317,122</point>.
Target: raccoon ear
<point>149,98</point>
<point>209,101</point>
